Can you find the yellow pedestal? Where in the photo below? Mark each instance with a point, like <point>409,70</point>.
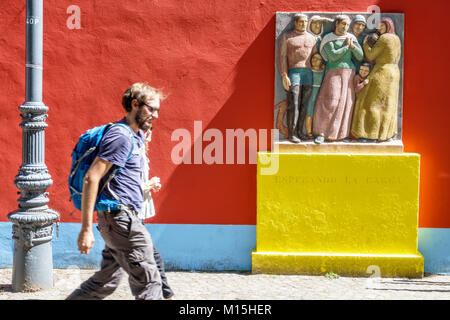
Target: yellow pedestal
<point>349,214</point>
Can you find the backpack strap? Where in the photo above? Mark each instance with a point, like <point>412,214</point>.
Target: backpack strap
<point>117,169</point>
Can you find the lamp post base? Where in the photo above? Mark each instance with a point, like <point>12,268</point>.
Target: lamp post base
<point>33,263</point>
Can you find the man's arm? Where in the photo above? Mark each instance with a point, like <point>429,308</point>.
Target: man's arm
<point>282,55</point>
<point>90,189</point>
<point>283,63</point>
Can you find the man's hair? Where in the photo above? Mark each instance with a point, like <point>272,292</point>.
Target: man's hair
<point>140,91</point>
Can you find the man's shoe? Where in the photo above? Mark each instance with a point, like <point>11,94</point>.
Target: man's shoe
<point>78,294</point>
<point>294,139</point>
<point>304,137</point>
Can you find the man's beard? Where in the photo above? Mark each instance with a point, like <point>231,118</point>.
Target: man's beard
<point>142,121</point>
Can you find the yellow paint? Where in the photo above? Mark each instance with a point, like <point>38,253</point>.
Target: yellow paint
<point>340,213</point>
<point>357,265</point>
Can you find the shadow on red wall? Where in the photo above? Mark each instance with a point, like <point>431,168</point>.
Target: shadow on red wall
<point>226,193</point>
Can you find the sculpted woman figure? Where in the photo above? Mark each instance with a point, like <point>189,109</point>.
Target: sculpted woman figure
<point>375,116</point>
<point>335,101</point>
<point>317,26</point>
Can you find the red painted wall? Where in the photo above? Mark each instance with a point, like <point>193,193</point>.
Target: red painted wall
<point>216,60</point>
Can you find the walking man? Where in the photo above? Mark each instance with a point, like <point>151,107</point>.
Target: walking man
<point>128,245</point>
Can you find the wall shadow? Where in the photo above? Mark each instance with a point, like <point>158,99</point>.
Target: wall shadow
<point>226,193</point>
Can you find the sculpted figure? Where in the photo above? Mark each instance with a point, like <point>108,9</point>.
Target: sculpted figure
<point>372,39</point>
<point>295,51</point>
<point>335,101</point>
<point>361,80</point>
<point>281,107</point>
<point>358,27</point>
<point>375,116</point>
<point>316,27</point>
<point>318,73</point>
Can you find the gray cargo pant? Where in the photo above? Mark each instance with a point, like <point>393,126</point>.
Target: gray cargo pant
<point>129,247</point>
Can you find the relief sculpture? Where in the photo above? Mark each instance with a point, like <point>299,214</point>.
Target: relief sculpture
<point>338,80</point>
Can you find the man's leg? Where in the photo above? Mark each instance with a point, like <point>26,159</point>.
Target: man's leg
<point>133,251</point>
<point>102,283</point>
<point>167,291</point>
<point>303,98</point>
<point>292,113</point>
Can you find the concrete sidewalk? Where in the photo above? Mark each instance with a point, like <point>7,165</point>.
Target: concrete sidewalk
<point>246,286</point>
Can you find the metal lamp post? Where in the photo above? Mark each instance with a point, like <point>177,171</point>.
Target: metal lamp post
<point>33,220</point>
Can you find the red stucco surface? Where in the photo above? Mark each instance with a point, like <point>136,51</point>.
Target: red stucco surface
<point>216,60</point>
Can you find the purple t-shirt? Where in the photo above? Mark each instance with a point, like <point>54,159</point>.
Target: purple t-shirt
<point>115,147</point>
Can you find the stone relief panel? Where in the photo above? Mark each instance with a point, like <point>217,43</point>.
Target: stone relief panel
<point>337,79</point>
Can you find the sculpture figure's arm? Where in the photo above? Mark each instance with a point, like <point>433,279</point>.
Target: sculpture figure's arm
<point>357,51</point>
<point>283,63</point>
<point>359,84</point>
<point>314,49</point>
<point>373,53</point>
<point>334,54</point>
<point>282,56</point>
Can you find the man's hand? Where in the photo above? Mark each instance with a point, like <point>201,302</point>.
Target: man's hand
<point>85,241</point>
<point>153,185</point>
<point>286,82</point>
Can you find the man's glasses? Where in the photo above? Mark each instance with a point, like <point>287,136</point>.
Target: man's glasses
<point>150,108</point>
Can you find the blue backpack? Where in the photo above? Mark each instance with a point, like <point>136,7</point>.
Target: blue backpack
<point>83,155</point>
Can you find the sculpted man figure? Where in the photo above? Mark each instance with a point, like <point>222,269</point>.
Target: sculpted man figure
<point>128,245</point>
<point>294,59</point>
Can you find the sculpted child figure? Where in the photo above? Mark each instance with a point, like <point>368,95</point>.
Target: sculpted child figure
<point>361,78</point>
<point>295,51</point>
<point>318,72</point>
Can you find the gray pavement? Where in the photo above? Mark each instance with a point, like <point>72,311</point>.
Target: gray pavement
<point>247,286</point>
